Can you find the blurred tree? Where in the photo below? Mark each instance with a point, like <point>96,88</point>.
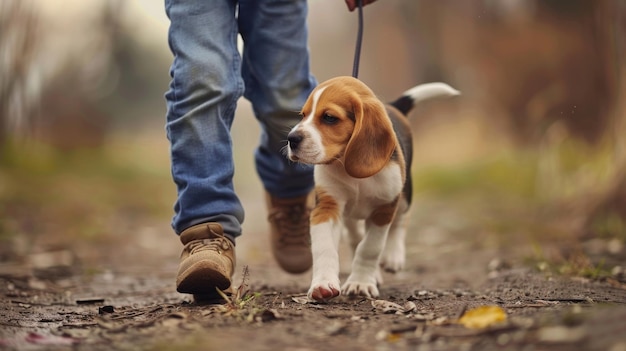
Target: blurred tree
<point>111,80</point>
<point>68,80</point>
<point>608,214</point>
<point>73,116</point>
<point>19,84</point>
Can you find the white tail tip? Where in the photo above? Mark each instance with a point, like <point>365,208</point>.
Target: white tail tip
<point>429,91</point>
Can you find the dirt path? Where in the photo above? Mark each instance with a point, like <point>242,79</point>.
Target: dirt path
<point>123,297</point>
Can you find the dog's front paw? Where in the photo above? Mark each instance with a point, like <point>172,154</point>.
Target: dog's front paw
<point>353,288</point>
<point>324,290</point>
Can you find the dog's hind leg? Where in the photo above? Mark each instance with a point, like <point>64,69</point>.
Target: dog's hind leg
<point>394,254</point>
<point>365,275</point>
<point>354,231</point>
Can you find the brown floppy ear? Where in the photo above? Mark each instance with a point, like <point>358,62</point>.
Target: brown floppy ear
<point>373,140</point>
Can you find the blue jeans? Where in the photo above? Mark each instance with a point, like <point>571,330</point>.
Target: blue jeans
<point>209,76</point>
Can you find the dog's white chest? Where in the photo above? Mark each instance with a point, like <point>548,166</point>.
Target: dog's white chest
<point>362,196</point>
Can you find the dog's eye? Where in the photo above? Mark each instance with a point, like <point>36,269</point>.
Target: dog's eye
<point>328,119</point>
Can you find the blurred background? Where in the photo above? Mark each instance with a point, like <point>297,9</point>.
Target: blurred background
<point>533,152</point>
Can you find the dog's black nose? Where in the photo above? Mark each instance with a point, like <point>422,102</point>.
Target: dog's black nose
<point>294,139</point>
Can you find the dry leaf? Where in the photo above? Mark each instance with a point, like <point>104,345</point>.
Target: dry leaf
<point>409,306</point>
<point>387,306</point>
<point>303,300</point>
<point>392,307</point>
<point>482,317</point>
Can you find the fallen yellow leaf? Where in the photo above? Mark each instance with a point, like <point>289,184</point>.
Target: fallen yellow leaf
<point>482,317</point>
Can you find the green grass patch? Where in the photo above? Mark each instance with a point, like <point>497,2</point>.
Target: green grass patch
<point>82,194</point>
<point>523,197</point>
<point>502,175</point>
<point>578,265</point>
<point>609,225</point>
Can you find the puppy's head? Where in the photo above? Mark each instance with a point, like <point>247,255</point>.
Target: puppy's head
<point>342,120</point>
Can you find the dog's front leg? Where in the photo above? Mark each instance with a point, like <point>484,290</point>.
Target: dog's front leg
<point>325,250</point>
<point>362,281</point>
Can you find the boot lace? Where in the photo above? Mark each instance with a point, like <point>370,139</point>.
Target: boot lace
<point>293,224</point>
<point>219,244</point>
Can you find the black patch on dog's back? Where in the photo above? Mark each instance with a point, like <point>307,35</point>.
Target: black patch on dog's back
<point>405,139</point>
<point>404,104</point>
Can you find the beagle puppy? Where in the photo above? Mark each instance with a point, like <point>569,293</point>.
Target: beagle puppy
<point>362,153</point>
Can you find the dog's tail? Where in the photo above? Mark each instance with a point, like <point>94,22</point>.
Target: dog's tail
<point>423,92</point>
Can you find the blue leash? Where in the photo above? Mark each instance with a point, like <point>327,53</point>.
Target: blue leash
<point>359,40</point>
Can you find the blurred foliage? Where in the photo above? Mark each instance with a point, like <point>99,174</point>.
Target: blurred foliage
<point>530,63</point>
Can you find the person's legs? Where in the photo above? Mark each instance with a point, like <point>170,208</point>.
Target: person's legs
<point>206,84</point>
<point>278,81</point>
<point>275,69</point>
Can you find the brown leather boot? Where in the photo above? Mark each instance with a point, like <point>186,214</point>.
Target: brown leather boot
<point>290,233</point>
<point>207,261</point>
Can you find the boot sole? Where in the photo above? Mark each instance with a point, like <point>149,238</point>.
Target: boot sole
<point>202,279</point>
<point>293,263</point>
